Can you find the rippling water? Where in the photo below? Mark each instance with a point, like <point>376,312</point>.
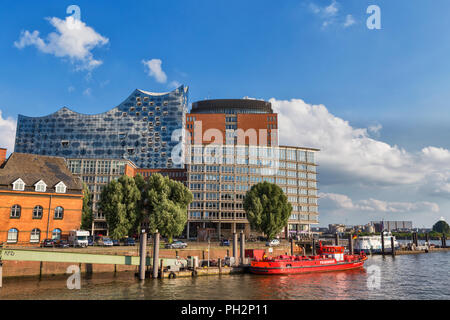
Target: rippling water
<point>421,276</point>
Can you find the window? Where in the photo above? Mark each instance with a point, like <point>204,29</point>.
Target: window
<point>35,236</point>
<point>18,185</point>
<point>56,234</point>
<point>59,212</point>
<point>40,186</point>
<point>13,235</point>
<point>15,212</point>
<point>60,187</point>
<point>37,212</point>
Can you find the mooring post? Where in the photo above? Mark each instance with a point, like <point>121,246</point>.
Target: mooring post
<point>427,238</point>
<point>142,254</point>
<point>350,243</point>
<point>336,238</point>
<point>162,269</point>
<point>313,247</point>
<point>242,247</point>
<point>416,242</point>
<point>382,242</point>
<point>292,246</point>
<point>219,261</point>
<point>155,254</point>
<point>1,273</point>
<point>235,240</point>
<point>392,246</point>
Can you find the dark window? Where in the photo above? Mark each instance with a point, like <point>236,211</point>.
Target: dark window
<point>37,212</point>
<point>15,211</point>
<point>59,212</point>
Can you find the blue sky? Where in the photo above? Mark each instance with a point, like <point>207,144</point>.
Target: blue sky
<point>396,78</point>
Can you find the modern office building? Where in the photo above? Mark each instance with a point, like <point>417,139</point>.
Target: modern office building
<point>219,185</point>
<point>39,198</point>
<point>97,173</point>
<point>232,121</point>
<point>392,225</point>
<point>143,129</point>
<point>234,145</point>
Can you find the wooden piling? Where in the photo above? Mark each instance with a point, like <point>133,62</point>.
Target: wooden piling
<point>142,254</point>
<point>155,254</point>
<point>1,273</point>
<point>313,247</point>
<point>350,243</point>
<point>382,242</point>
<point>235,240</point>
<point>161,274</point>
<point>292,246</point>
<point>392,246</point>
<point>336,238</point>
<point>219,261</point>
<point>242,247</point>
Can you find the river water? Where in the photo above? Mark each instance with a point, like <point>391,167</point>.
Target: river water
<point>420,276</point>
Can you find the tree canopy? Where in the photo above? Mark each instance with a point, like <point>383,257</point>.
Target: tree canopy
<point>267,208</point>
<point>119,202</point>
<point>86,216</point>
<point>165,204</point>
<point>442,227</point>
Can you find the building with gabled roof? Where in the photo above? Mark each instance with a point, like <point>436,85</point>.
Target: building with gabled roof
<point>40,198</point>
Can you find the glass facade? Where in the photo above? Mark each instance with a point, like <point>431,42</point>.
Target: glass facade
<point>144,129</point>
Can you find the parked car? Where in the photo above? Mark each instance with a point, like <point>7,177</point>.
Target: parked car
<point>273,243</point>
<point>225,243</point>
<point>129,242</point>
<point>48,243</point>
<point>178,244</point>
<point>90,241</point>
<point>62,243</point>
<point>106,242</point>
<point>115,242</point>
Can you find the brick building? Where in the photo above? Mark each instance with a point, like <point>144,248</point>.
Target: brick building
<point>39,198</point>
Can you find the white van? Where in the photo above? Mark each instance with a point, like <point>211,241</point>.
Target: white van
<point>78,238</point>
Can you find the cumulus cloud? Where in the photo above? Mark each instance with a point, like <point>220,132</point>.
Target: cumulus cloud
<point>334,201</point>
<point>73,40</point>
<point>349,155</point>
<point>349,21</point>
<point>155,70</point>
<point>7,132</point>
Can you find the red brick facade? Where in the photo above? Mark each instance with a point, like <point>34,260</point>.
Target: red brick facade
<point>71,218</point>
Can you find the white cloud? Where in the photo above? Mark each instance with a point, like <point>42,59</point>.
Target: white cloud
<point>7,132</point>
<point>327,13</point>
<point>349,155</point>
<point>174,84</point>
<point>349,21</point>
<point>73,39</point>
<point>87,92</point>
<point>333,201</point>
<point>155,70</point>
<point>71,89</point>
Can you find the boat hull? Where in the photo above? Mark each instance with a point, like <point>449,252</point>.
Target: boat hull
<point>282,268</point>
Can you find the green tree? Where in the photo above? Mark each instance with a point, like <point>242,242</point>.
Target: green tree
<point>267,208</point>
<point>441,227</point>
<point>165,202</point>
<point>86,216</point>
<point>119,203</point>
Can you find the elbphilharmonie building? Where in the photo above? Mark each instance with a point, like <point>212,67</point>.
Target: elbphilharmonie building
<point>144,129</point>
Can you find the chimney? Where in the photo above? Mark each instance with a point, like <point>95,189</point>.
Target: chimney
<point>2,155</point>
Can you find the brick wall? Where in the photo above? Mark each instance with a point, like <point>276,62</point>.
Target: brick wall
<point>72,205</point>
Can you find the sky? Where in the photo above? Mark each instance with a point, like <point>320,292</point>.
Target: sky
<point>375,101</point>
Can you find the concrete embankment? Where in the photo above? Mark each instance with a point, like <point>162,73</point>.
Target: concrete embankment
<point>12,268</point>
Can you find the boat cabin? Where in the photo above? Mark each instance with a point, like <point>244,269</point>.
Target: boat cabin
<point>334,252</point>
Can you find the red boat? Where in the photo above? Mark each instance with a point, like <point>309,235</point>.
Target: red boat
<point>329,258</point>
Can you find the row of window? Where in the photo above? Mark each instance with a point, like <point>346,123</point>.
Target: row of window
<point>16,212</point>
<point>35,235</point>
<point>40,186</point>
